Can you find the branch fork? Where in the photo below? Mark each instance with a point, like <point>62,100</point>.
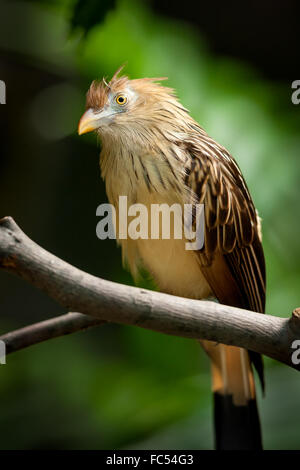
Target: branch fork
<point>101,301</point>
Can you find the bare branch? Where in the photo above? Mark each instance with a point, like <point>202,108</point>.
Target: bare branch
<point>48,329</point>
<point>109,301</point>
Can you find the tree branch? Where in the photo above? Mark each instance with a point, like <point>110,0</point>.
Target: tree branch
<point>48,329</point>
<point>109,301</point>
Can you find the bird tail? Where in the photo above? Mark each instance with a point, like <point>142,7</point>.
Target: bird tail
<point>236,417</point>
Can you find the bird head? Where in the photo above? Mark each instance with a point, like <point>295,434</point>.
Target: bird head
<point>127,107</point>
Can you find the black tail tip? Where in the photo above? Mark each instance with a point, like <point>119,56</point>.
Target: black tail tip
<point>236,427</point>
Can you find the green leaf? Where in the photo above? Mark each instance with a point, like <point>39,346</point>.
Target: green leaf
<point>87,14</point>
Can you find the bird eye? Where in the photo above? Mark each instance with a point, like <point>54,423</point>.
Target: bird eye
<point>121,99</point>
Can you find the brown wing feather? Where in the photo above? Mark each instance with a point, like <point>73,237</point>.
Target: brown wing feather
<point>232,259</point>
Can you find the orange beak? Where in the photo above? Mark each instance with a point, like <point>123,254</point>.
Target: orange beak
<point>88,122</point>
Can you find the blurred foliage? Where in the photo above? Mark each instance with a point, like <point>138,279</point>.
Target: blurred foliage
<point>88,14</point>
<point>116,386</point>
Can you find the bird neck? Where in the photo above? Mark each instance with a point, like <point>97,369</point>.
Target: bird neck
<point>140,167</point>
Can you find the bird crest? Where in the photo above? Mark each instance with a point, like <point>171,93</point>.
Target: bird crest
<point>99,90</point>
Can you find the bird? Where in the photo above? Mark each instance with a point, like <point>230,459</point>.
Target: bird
<point>154,152</point>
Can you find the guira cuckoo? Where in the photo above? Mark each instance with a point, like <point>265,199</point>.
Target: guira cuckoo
<point>154,152</point>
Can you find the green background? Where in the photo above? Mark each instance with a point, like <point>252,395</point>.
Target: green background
<point>115,386</point>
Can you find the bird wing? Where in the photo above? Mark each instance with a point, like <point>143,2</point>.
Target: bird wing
<point>232,258</point>
<point>232,228</point>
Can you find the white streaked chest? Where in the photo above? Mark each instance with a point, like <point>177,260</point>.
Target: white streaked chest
<point>150,181</point>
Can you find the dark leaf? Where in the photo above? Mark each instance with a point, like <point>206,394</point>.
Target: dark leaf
<point>88,13</point>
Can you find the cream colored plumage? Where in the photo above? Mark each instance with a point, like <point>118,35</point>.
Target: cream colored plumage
<point>154,152</point>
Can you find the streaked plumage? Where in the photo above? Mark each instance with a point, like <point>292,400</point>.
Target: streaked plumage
<point>154,152</point>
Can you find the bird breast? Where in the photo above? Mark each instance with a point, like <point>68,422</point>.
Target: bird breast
<point>147,179</point>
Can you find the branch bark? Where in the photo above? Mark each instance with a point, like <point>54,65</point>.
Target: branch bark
<point>109,301</point>
<point>48,329</point>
